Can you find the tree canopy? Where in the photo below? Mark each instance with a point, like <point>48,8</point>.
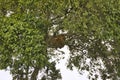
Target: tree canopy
<point>29,29</point>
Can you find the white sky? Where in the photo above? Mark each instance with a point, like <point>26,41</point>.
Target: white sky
<point>5,75</point>
<point>66,73</point>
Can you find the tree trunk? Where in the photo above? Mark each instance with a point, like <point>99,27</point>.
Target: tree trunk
<point>34,74</point>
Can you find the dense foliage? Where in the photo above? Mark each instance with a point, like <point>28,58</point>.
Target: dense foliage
<point>92,32</point>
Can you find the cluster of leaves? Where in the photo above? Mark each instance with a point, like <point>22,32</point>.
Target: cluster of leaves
<point>96,24</point>
<point>93,26</point>
<point>22,43</point>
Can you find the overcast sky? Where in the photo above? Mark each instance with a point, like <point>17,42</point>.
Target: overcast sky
<point>66,73</point>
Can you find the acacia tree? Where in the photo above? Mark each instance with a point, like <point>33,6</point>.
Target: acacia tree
<point>92,32</point>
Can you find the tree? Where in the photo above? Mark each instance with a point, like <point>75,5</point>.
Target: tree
<point>92,31</point>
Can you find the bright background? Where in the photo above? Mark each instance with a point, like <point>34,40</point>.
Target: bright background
<point>66,73</point>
